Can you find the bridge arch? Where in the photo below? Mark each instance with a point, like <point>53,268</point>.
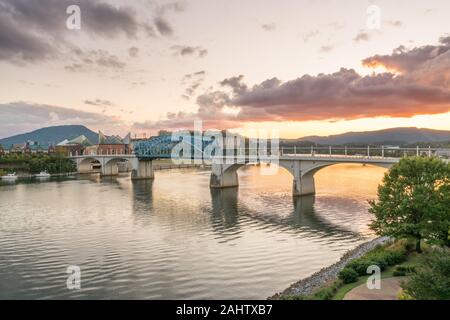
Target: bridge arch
<point>85,165</point>
<point>225,175</point>
<point>110,166</point>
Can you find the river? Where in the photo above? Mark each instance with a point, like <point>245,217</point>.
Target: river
<point>173,237</point>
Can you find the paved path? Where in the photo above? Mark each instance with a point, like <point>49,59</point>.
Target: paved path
<point>390,287</point>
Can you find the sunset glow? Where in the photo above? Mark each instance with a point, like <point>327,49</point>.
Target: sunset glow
<point>300,66</point>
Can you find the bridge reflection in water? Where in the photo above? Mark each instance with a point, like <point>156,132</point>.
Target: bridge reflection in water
<point>225,214</point>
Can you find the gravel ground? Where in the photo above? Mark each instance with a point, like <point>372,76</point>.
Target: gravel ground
<point>310,284</point>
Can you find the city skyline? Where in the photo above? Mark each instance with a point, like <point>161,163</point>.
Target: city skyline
<point>301,67</point>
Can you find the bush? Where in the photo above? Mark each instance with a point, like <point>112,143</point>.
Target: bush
<point>360,265</point>
<point>348,275</point>
<point>431,279</point>
<point>402,295</point>
<point>381,257</point>
<point>401,271</point>
<point>398,273</point>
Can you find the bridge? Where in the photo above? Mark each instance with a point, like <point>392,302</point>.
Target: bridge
<point>302,163</point>
<point>141,168</point>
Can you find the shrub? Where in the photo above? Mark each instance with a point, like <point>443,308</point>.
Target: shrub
<point>402,295</point>
<point>381,257</point>
<point>431,279</point>
<point>360,265</point>
<point>348,275</point>
<point>401,271</point>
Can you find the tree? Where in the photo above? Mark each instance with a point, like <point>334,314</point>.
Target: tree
<point>414,201</point>
<point>431,279</point>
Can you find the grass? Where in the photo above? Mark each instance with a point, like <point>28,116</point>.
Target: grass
<point>336,290</point>
<point>387,273</point>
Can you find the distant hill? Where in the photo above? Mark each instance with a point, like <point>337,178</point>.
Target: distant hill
<point>393,136</point>
<point>51,135</point>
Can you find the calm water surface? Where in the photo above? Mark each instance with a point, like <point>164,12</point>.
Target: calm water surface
<point>174,238</point>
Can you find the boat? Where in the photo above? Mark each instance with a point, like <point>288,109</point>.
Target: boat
<point>43,174</point>
<point>10,176</point>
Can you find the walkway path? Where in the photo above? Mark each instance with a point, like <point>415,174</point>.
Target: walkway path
<point>390,287</point>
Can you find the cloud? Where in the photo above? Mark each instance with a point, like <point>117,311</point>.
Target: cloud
<point>175,6</point>
<point>362,36</point>
<point>189,51</point>
<point>424,88</point>
<point>408,61</point>
<point>312,34</point>
<point>87,60</point>
<point>19,117</point>
<point>99,103</point>
<point>36,30</point>
<point>133,52</point>
<point>395,23</point>
<point>17,45</point>
<point>326,48</point>
<point>194,81</point>
<point>269,26</point>
<point>163,26</point>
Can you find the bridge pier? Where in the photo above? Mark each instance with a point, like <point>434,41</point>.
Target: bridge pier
<point>223,176</point>
<point>142,169</point>
<point>303,186</point>
<point>109,168</point>
<point>84,167</point>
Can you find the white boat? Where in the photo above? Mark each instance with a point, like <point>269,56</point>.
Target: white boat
<point>43,174</point>
<point>10,176</point>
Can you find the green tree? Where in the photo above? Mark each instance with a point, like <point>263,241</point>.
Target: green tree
<point>414,201</point>
<point>431,279</point>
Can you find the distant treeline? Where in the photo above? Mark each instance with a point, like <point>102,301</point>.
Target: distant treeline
<point>35,163</point>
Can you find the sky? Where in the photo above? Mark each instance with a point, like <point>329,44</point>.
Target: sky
<point>299,67</point>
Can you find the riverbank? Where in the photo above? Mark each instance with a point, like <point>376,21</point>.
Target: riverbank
<point>53,175</point>
<point>309,285</point>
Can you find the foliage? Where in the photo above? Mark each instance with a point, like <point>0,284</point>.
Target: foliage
<point>431,280</point>
<point>414,201</point>
<point>381,257</point>
<point>35,163</point>
<point>401,271</point>
<point>348,275</point>
<point>402,295</point>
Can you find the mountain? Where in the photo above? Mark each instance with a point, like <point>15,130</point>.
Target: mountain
<point>51,135</point>
<point>393,136</point>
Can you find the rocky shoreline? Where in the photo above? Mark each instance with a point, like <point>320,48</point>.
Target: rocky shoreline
<point>310,284</point>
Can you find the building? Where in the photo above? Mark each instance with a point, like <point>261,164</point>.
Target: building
<point>107,145</point>
<point>111,145</point>
<point>18,148</point>
<point>73,147</point>
<point>29,147</point>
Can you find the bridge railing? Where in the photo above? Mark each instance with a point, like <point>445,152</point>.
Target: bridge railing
<point>364,152</point>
